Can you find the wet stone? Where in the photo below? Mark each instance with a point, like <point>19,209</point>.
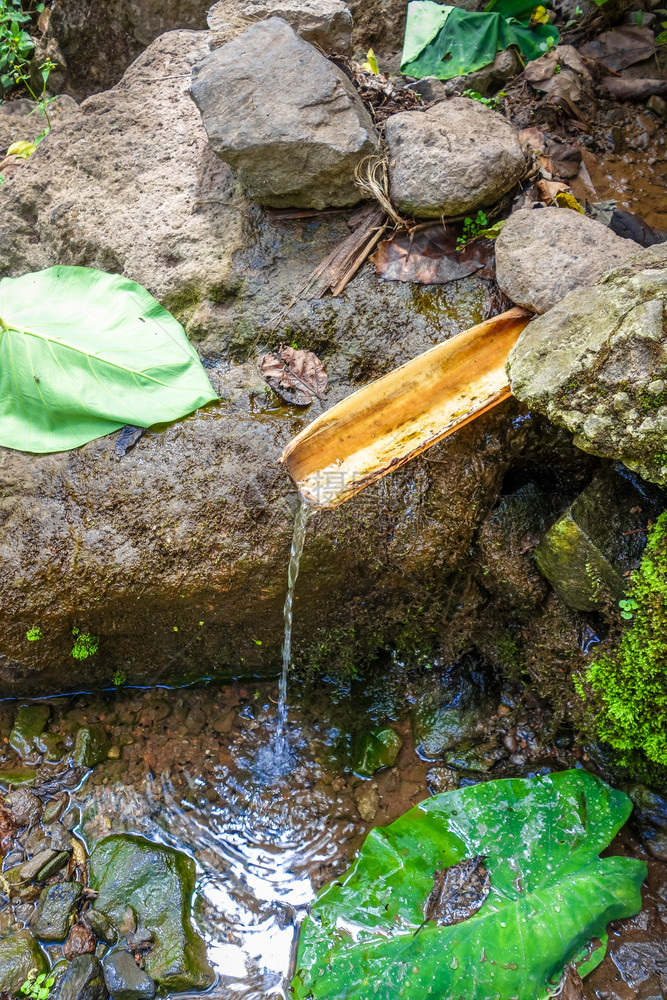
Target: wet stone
<point>57,903</point>
<point>378,748</point>
<point>18,776</point>
<point>92,745</point>
<point>28,726</point>
<point>441,779</point>
<point>157,883</point>
<point>19,953</point>
<point>452,711</point>
<point>31,869</point>
<point>83,979</point>
<point>25,807</point>
<point>100,925</point>
<point>54,866</point>
<point>650,806</point>
<point>125,980</point>
<point>586,553</point>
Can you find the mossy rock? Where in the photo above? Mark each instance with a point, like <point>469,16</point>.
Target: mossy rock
<point>51,920</point>
<point>157,882</point>
<point>378,748</point>
<point>92,745</point>
<point>19,953</point>
<point>18,776</point>
<point>28,727</point>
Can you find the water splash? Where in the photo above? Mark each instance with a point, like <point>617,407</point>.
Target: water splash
<point>278,759</point>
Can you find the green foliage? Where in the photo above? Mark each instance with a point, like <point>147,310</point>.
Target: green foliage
<point>85,644</point>
<point>550,899</point>
<point>472,228</point>
<point>82,353</point>
<point>16,45</point>
<point>37,987</point>
<point>627,690</point>
<point>34,634</point>
<point>488,102</point>
<point>119,678</point>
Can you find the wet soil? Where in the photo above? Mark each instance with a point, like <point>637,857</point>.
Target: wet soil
<point>185,768</point>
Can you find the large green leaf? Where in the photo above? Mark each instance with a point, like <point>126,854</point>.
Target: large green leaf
<point>550,900</point>
<point>446,41</point>
<point>82,353</point>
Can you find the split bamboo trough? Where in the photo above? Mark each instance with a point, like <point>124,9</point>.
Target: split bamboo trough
<point>394,419</point>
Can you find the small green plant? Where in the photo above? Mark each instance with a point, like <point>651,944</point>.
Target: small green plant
<point>85,644</point>
<point>628,607</point>
<point>488,102</point>
<point>119,678</point>
<point>37,987</point>
<point>34,634</point>
<point>472,228</point>
<point>661,39</point>
<point>626,690</point>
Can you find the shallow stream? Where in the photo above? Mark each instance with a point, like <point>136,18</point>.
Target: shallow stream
<point>185,768</point>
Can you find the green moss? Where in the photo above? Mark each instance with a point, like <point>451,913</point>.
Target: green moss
<point>85,644</point>
<point>627,689</point>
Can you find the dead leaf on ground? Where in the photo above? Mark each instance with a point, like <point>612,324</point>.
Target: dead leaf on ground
<point>458,892</point>
<point>541,69</point>
<point>297,376</point>
<point>533,140</point>
<point>561,159</point>
<point>621,47</point>
<point>81,941</point>
<point>547,190</point>
<point>429,256</point>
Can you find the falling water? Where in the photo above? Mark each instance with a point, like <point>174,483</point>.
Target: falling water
<point>277,759</point>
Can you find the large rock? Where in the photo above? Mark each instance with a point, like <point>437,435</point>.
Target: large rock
<point>92,44</point>
<point>326,23</point>
<point>158,883</point>
<point>288,120</point>
<point>542,254</point>
<point>191,530</point>
<point>51,920</point>
<point>456,157</point>
<point>125,980</point>
<point>589,553</point>
<point>596,364</point>
<point>19,953</point>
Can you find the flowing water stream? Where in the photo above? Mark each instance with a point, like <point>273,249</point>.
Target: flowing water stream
<point>277,759</point>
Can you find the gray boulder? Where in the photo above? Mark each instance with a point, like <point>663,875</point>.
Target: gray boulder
<point>456,157</point>
<point>51,920</point>
<point>288,120</point>
<point>325,23</point>
<point>596,364</point>
<point>542,254</point>
<point>92,44</point>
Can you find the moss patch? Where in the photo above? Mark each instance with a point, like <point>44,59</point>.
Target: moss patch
<point>627,689</point>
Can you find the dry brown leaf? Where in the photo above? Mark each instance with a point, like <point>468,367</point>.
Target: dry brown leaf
<point>81,941</point>
<point>561,160</point>
<point>548,190</point>
<point>538,70</point>
<point>429,256</point>
<point>621,47</point>
<point>297,376</point>
<point>533,139</point>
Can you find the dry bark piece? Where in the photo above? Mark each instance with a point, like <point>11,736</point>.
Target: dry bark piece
<point>81,941</point>
<point>388,422</point>
<point>429,256</point>
<point>625,89</point>
<point>297,376</point>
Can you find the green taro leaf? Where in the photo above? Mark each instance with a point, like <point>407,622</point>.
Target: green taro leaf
<point>550,899</point>
<point>82,353</point>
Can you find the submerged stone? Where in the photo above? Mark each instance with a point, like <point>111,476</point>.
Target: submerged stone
<point>28,727</point>
<point>92,745</point>
<point>378,748</point>
<point>599,538</point>
<point>157,883</point>
<point>125,980</point>
<point>18,776</point>
<point>83,979</point>
<point>19,953</point>
<point>52,919</point>
<point>451,712</point>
